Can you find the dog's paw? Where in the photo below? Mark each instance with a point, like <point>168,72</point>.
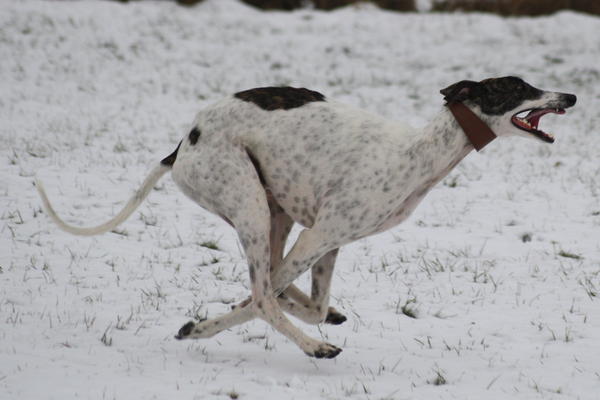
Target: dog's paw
<point>334,317</point>
<point>185,330</point>
<point>325,350</point>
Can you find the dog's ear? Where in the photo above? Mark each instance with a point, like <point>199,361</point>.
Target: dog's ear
<point>460,91</point>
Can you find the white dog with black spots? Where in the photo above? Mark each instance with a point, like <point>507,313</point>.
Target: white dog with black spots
<point>267,158</point>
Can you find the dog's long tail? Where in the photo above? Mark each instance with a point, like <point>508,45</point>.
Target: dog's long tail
<point>129,208</point>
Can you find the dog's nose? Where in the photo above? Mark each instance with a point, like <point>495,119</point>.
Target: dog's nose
<point>569,99</point>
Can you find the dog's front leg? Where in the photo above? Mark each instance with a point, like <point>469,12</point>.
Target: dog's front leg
<point>314,310</point>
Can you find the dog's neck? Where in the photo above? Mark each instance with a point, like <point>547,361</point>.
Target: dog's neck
<point>450,144</point>
<point>478,132</point>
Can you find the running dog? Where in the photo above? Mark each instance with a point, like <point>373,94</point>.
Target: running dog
<point>266,158</point>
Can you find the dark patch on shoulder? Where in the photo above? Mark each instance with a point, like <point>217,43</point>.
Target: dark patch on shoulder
<point>279,98</point>
<point>170,159</point>
<point>194,135</point>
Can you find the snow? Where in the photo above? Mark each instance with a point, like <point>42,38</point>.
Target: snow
<point>500,264</point>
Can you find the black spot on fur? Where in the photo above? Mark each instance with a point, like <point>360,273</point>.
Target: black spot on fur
<point>170,159</point>
<point>194,135</point>
<point>315,289</point>
<point>495,96</point>
<point>279,98</point>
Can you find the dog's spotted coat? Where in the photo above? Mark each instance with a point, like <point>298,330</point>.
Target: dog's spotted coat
<point>267,158</point>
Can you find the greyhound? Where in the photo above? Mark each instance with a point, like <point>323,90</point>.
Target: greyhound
<point>266,158</point>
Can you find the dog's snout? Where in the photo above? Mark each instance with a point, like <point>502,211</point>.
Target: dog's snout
<point>569,99</point>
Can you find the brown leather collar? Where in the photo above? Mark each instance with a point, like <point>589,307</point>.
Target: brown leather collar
<point>476,130</point>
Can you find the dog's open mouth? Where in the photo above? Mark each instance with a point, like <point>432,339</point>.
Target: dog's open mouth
<point>530,121</point>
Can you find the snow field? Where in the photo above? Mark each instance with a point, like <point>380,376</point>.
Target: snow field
<point>489,291</point>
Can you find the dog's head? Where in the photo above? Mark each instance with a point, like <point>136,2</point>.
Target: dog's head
<point>510,105</point>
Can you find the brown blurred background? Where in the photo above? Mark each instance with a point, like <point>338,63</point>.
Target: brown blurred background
<point>502,7</point>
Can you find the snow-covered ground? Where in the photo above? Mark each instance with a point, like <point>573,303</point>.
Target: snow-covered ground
<point>500,265</point>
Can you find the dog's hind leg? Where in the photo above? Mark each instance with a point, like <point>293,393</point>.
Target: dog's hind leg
<point>243,201</point>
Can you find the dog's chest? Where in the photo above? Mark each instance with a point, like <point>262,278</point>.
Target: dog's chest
<point>399,214</point>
